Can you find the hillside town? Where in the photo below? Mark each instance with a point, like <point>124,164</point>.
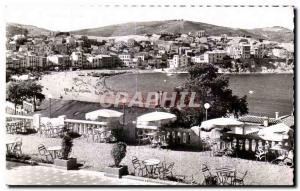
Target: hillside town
<point>62,50</point>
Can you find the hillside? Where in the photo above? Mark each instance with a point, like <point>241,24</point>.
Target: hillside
<point>173,26</point>
<point>276,33</point>
<point>182,26</point>
<point>14,28</point>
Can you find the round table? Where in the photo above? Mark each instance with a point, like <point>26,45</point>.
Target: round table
<point>150,164</point>
<point>54,150</point>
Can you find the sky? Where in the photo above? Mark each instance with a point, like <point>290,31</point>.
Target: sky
<point>71,17</point>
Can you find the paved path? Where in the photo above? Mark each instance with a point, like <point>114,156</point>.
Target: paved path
<point>20,174</point>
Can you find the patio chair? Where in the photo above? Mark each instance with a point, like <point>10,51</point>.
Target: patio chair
<point>45,129</point>
<point>45,153</point>
<point>17,148</point>
<point>239,179</point>
<point>90,133</point>
<point>164,170</point>
<point>154,143</point>
<point>209,178</point>
<point>105,136</point>
<point>19,127</point>
<point>26,126</point>
<point>138,166</point>
<point>289,160</point>
<point>143,139</point>
<point>260,154</point>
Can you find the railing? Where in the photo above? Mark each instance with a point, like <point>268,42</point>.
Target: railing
<point>245,142</point>
<point>28,120</point>
<point>83,126</point>
<point>179,136</point>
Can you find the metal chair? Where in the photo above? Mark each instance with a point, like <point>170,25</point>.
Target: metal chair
<point>17,148</point>
<point>45,153</point>
<point>239,180</point>
<point>105,136</point>
<point>143,139</point>
<point>209,178</point>
<point>166,170</point>
<point>289,160</point>
<point>138,166</point>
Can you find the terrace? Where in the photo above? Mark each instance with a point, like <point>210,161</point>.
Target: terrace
<point>95,155</point>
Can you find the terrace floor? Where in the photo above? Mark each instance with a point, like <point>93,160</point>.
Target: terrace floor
<point>96,156</point>
<point>20,174</point>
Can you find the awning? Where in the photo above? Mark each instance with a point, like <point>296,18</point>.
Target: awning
<point>276,132</point>
<point>108,113</point>
<point>156,116</point>
<point>220,123</point>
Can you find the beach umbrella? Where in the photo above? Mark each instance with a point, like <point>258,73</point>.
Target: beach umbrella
<point>220,123</point>
<point>107,113</point>
<point>276,132</point>
<point>280,147</point>
<point>156,116</point>
<point>154,120</point>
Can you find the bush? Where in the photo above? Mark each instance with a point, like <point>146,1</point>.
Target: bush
<point>118,152</point>
<point>66,144</point>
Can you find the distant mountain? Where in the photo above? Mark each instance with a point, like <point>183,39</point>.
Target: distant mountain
<point>276,33</point>
<point>182,26</point>
<point>14,28</point>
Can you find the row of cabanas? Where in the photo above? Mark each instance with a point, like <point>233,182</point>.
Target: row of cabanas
<point>213,128</point>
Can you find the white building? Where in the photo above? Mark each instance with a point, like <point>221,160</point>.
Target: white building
<point>126,59</point>
<point>77,59</point>
<point>99,61</point>
<point>241,50</point>
<point>199,59</point>
<point>214,56</point>
<point>179,61</point>
<point>57,59</point>
<point>70,40</point>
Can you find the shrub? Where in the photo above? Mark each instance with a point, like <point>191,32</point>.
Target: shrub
<point>66,144</point>
<point>118,152</point>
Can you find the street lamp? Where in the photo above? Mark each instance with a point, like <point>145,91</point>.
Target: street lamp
<point>206,106</point>
<point>123,103</point>
<point>50,97</point>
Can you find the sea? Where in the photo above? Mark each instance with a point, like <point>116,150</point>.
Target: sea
<point>266,93</point>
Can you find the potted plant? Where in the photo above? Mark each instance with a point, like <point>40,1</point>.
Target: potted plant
<point>64,161</point>
<point>118,152</point>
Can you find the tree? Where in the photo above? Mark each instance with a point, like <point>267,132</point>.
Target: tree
<point>34,91</point>
<point>118,152</point>
<point>16,94</point>
<point>213,88</point>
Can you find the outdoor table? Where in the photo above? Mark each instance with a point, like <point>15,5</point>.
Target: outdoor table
<point>54,150</point>
<point>150,166</point>
<point>9,145</point>
<point>225,174</point>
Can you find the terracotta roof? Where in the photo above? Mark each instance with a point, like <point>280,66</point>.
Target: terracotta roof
<point>258,119</point>
<point>288,120</point>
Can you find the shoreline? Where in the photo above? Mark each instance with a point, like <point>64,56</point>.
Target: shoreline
<point>165,71</point>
